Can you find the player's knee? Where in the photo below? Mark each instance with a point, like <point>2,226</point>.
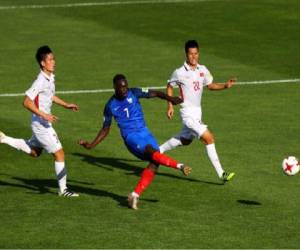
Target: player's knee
<point>35,153</point>
<point>208,138</point>
<point>59,155</point>
<point>149,149</point>
<point>153,167</point>
<point>185,141</point>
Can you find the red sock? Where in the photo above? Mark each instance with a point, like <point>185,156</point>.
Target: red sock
<point>146,179</point>
<point>164,160</point>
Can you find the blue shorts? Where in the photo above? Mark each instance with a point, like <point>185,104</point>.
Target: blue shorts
<point>137,141</point>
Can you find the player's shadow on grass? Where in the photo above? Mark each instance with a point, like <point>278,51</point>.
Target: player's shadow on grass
<point>109,163</point>
<point>43,186</point>
<point>249,202</point>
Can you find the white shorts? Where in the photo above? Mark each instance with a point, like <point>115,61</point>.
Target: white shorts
<point>192,128</point>
<point>44,137</point>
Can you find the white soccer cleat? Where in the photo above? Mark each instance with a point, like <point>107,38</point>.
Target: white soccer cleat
<point>2,136</point>
<point>68,193</point>
<point>133,201</point>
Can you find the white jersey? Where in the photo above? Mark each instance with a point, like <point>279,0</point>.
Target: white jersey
<point>191,83</point>
<point>41,93</point>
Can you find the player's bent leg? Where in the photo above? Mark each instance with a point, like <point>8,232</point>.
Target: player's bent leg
<point>161,159</point>
<point>170,144</point>
<point>61,174</point>
<point>19,144</point>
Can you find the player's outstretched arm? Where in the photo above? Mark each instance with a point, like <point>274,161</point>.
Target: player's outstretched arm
<point>29,104</point>
<point>170,111</point>
<point>221,86</point>
<point>66,105</point>
<point>100,137</point>
<point>173,99</point>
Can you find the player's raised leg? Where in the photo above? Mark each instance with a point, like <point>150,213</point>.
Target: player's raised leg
<point>170,144</point>
<point>19,144</point>
<point>161,159</point>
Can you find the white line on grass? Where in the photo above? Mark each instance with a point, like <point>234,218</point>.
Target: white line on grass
<point>108,3</point>
<point>89,91</point>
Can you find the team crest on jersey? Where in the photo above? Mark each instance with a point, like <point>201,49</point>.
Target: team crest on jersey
<point>129,100</point>
<point>201,74</point>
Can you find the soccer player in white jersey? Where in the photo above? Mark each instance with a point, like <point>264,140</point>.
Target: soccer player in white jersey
<point>38,100</point>
<point>191,78</point>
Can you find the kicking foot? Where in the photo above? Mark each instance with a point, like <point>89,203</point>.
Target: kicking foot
<point>133,201</point>
<point>227,176</point>
<point>185,169</point>
<point>2,136</point>
<point>68,193</point>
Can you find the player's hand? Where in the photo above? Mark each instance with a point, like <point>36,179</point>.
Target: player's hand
<point>230,83</point>
<point>170,112</point>
<point>85,144</point>
<point>49,117</point>
<point>72,106</point>
<point>176,100</point>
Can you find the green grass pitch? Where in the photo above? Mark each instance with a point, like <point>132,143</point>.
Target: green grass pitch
<point>255,126</point>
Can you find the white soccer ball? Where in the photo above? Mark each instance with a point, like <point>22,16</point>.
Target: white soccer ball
<point>290,165</point>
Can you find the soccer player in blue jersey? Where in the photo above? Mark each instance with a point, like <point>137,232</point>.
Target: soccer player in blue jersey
<point>125,107</point>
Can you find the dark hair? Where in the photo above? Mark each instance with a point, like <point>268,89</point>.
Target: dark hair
<point>41,54</point>
<point>119,77</point>
<point>191,44</point>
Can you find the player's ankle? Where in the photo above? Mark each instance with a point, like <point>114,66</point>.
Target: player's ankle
<point>179,165</point>
<point>134,194</point>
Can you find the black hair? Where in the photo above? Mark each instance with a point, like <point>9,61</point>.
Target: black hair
<point>191,44</point>
<point>41,54</point>
<point>119,77</point>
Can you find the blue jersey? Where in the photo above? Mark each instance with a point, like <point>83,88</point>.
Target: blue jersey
<point>127,112</point>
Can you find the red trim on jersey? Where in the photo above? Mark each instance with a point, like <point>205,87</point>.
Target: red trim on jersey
<point>36,101</point>
<point>181,92</point>
<point>201,74</point>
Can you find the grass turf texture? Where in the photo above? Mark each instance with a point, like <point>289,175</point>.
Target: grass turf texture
<point>255,127</point>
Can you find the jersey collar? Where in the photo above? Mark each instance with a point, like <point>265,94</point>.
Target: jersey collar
<point>49,78</point>
<point>188,67</point>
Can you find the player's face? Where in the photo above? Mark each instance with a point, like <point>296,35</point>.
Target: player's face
<point>49,63</point>
<point>121,89</point>
<point>192,57</point>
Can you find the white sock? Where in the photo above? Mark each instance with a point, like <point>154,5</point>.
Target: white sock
<point>19,144</point>
<point>61,174</point>
<point>170,144</point>
<point>134,194</point>
<point>213,156</point>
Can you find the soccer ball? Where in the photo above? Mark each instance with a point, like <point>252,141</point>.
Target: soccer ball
<point>290,165</point>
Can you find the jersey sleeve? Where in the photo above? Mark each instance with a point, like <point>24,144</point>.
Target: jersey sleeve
<point>34,90</point>
<point>107,116</point>
<point>174,79</point>
<point>208,78</point>
<point>140,93</point>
